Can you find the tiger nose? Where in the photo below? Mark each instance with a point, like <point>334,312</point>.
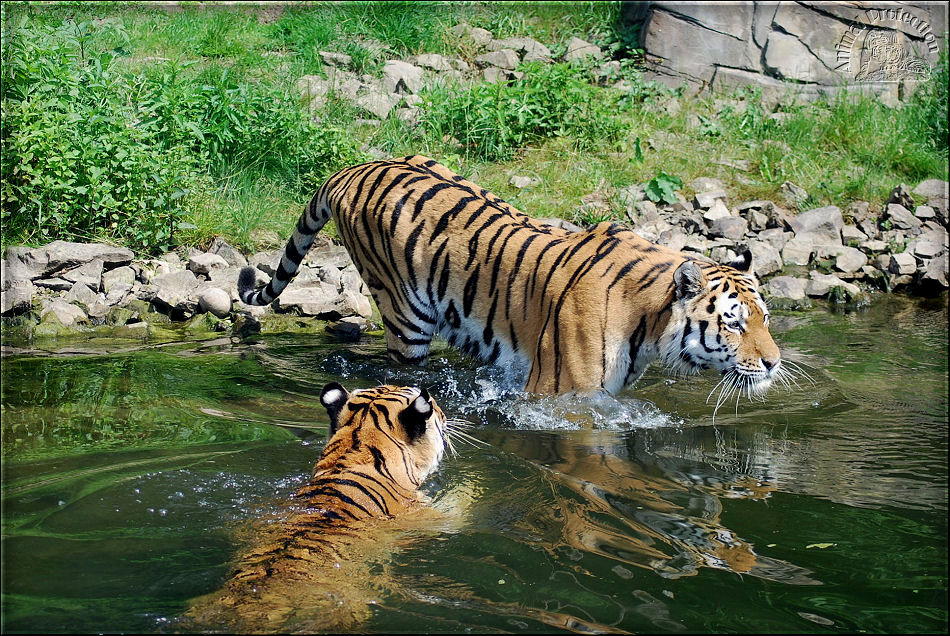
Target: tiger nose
<point>770,364</point>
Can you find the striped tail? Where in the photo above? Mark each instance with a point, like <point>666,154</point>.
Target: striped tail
<point>310,222</point>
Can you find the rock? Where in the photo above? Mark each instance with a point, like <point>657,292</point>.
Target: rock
<point>823,284</point>
<point>175,292</point>
<point>564,224</point>
<point>706,200</point>
<point>203,263</point>
<point>530,48</point>
<point>524,182</point>
<point>59,256</point>
<point>766,259</point>
<point>675,239</point>
<point>717,211</point>
<point>871,247</point>
<point>231,255</point>
<point>473,36</point>
<point>18,298</point>
<point>793,194</point>
<point>799,248</point>
<point>786,287</point>
<point>706,184</point>
<point>900,195</point>
<point>80,294</point>
<point>851,234</point>
<point>902,263</point>
<point>731,227</point>
<point>901,218</point>
<point>433,61</point>
<point>935,272</point>
<point>90,274</point>
<point>824,222</point>
<point>776,237</point>
<point>56,284</point>
<point>118,276</point>
<point>925,213</point>
<point>847,259</point>
<point>402,77</point>
<point>67,314</point>
<point>578,49</point>
<point>340,60</point>
<point>267,262</point>
<point>932,188</point>
<point>329,255</point>
<point>503,58</point>
<point>378,102</point>
<point>859,210</point>
<point>215,300</point>
<point>310,298</point>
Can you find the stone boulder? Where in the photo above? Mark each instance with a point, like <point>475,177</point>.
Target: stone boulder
<point>824,222</point>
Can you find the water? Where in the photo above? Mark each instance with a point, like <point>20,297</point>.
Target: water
<point>130,476</point>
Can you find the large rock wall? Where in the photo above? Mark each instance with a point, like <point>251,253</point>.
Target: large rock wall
<point>806,48</point>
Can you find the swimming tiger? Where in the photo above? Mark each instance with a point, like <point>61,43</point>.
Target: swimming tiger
<point>566,311</point>
<point>311,572</point>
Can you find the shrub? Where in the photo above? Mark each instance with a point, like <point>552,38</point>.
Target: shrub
<point>493,120</point>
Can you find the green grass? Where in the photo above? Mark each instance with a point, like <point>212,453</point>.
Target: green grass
<point>201,106</point>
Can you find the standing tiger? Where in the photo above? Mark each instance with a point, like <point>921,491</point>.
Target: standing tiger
<point>312,572</point>
<point>568,311</point>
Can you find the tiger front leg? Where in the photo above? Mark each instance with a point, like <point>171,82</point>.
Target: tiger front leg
<point>412,348</point>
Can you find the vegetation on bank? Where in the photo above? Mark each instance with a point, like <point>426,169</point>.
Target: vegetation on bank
<point>159,129</point>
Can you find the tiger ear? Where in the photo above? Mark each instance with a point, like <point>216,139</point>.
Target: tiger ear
<point>413,417</point>
<point>744,261</point>
<point>333,398</point>
<point>688,279</point>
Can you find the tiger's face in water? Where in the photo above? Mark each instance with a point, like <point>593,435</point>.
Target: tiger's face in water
<point>721,322</point>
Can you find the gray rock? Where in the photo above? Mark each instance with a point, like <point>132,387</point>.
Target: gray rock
<point>523,182</point>
<point>58,256</point>
<point>675,239</point>
<point>798,249</point>
<point>935,272</point>
<point>706,200</point>
<point>901,218</point>
<point>825,222</point>
<point>68,314</point>
<point>578,49</point>
<point>350,279</point>
<point>433,61</point>
<point>117,276</point>
<point>793,194</point>
<point>267,262</point>
<point>336,59</point>
<point>56,284</point>
<point>18,298</point>
<point>732,227</point>
<point>530,48</point>
<point>717,211</point>
<point>902,263</point>
<point>823,284</point>
<point>402,77</point>
<point>847,259</point>
<point>786,57</point>
<point>850,234</point>
<point>215,300</point>
<point>231,255</point>
<point>80,294</point>
<point>328,256</point>
<point>474,36</point>
<point>176,291</point>
<point>203,263</point>
<point>503,58</point>
<point>925,213</point>
<point>378,102</point>
<point>931,188</point>
<point>786,287</point>
<point>871,247</point>
<point>776,237</point>
<point>766,259</point>
<point>706,184</point>
<point>310,298</point>
<point>90,274</point>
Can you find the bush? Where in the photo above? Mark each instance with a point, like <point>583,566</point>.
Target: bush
<point>493,120</point>
<point>75,164</point>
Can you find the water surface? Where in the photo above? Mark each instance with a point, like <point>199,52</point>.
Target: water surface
<point>130,475</point>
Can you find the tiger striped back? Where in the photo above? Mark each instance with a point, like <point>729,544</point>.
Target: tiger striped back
<point>309,572</point>
<point>565,311</point>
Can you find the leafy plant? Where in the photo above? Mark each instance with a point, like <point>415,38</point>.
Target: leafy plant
<point>663,187</point>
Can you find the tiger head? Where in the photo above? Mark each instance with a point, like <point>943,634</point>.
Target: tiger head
<point>721,322</point>
<point>397,431</point>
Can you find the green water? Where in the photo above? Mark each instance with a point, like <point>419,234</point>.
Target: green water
<point>129,475</point>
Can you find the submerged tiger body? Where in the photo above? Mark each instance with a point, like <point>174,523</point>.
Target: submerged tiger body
<point>309,570</point>
<point>567,311</point>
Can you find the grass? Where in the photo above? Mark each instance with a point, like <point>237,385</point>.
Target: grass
<point>213,90</point>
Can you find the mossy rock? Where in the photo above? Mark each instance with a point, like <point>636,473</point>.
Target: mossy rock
<point>290,323</point>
